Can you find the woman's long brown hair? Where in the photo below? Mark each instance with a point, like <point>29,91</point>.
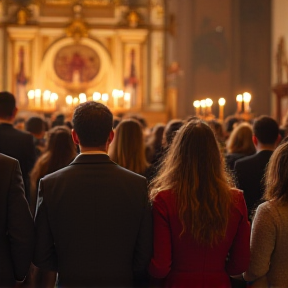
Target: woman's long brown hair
<point>193,169</point>
<point>127,148</point>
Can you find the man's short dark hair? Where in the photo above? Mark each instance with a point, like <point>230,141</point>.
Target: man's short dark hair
<point>35,125</point>
<point>266,129</point>
<point>7,104</point>
<point>92,122</point>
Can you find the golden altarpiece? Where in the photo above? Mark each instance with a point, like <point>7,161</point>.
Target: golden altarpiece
<point>86,47</point>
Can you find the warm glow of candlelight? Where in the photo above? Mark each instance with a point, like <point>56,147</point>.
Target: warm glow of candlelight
<point>38,93</point>
<point>69,100</point>
<point>75,101</point>
<point>127,100</point>
<point>239,98</point>
<point>246,97</point>
<point>196,104</point>
<point>105,97</point>
<point>121,93</point>
<point>82,97</point>
<point>203,103</point>
<point>96,96</point>
<point>209,102</point>
<point>31,94</point>
<point>221,101</point>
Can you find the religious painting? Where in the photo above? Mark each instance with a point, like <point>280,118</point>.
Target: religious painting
<point>77,64</point>
<point>132,71</point>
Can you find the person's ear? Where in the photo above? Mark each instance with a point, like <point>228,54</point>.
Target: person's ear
<point>279,138</point>
<point>111,136</point>
<point>75,137</point>
<point>14,112</point>
<point>255,140</point>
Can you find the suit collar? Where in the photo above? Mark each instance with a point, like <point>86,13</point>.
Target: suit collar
<point>92,159</point>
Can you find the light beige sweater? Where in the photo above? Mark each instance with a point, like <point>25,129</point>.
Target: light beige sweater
<point>269,245</point>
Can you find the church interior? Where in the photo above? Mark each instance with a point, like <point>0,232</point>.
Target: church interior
<point>162,59</point>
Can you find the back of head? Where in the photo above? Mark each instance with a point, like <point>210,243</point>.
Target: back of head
<point>230,122</point>
<point>35,125</point>
<point>276,178</point>
<point>7,105</point>
<point>127,148</point>
<point>194,171</point>
<point>240,140</point>
<point>170,130</point>
<point>266,130</point>
<point>92,122</point>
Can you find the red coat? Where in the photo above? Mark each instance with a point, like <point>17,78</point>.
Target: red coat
<point>183,261</point>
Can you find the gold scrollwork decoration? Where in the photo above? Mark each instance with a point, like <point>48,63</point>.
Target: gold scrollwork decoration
<point>77,29</point>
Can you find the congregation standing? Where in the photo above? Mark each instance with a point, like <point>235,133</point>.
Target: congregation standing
<point>119,205</point>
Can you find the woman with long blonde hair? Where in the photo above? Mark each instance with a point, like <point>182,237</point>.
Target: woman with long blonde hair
<point>127,148</point>
<point>239,144</point>
<point>201,229</point>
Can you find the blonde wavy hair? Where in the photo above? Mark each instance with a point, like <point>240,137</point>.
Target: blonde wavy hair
<point>240,140</point>
<point>193,169</point>
<point>127,148</point>
<point>276,178</point>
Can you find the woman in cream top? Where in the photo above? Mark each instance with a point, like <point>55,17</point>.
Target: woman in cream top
<point>269,240</point>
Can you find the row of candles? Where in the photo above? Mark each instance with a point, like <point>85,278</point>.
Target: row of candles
<point>48,100</point>
<point>120,98</point>
<point>45,101</point>
<point>206,105</point>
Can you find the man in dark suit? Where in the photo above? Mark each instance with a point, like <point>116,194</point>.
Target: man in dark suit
<point>13,142</point>
<point>93,221</point>
<point>16,224</point>
<point>250,170</point>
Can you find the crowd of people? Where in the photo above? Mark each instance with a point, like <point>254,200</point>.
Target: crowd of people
<point>105,201</point>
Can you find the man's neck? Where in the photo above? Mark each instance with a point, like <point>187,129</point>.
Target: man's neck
<point>6,121</point>
<point>265,148</point>
<point>92,150</point>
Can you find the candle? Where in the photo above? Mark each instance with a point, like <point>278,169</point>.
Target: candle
<point>115,95</point>
<point>53,99</point>
<point>96,96</point>
<point>75,101</point>
<point>203,107</point>
<point>82,97</point>
<point>38,98</point>
<point>209,103</point>
<point>221,103</point>
<point>127,100</point>
<point>31,97</point>
<point>247,99</point>
<point>105,98</point>
<point>46,97</point>
<point>239,99</point>
<point>69,101</point>
<point>196,104</point>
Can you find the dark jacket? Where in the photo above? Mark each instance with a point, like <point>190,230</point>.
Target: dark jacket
<point>19,145</point>
<point>249,173</point>
<point>16,224</point>
<point>93,224</point>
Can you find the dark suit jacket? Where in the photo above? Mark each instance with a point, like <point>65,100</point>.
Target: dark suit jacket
<point>249,173</point>
<point>93,224</point>
<point>16,224</point>
<point>19,145</point>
